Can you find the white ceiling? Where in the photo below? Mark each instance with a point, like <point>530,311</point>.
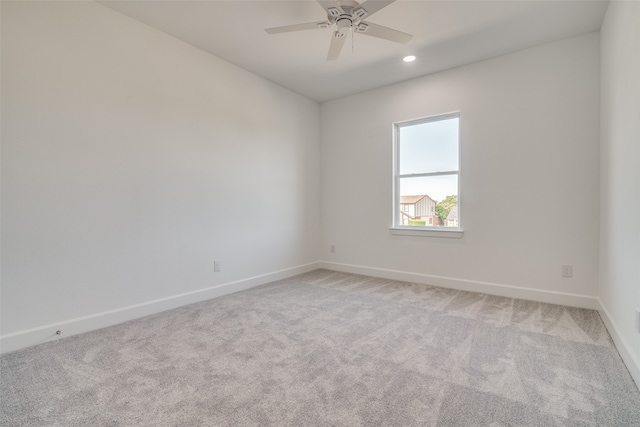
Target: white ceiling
<point>446,34</point>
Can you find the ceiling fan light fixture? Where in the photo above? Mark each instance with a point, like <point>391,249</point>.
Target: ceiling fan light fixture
<point>343,25</point>
<point>409,58</point>
<point>346,17</point>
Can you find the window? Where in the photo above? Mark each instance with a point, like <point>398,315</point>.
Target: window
<point>426,177</point>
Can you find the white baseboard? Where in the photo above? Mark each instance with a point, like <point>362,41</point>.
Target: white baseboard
<point>551,297</point>
<point>623,347</point>
<point>45,333</point>
<point>27,338</point>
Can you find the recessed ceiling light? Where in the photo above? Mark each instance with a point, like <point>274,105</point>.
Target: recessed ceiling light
<point>409,58</point>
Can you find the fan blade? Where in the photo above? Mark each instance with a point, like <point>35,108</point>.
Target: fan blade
<point>298,27</point>
<point>381,32</point>
<point>337,41</point>
<point>370,7</point>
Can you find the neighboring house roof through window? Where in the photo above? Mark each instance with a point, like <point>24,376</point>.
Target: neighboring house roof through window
<point>411,200</point>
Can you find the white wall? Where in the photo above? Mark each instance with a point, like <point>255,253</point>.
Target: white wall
<point>620,180</point>
<point>529,173</point>
<point>130,161</point>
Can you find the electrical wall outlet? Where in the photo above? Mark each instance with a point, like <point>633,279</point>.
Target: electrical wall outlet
<point>332,248</point>
<point>638,320</point>
<point>567,271</point>
<point>217,266</point>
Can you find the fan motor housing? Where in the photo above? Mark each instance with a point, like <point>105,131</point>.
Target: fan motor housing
<point>343,24</point>
<point>344,12</point>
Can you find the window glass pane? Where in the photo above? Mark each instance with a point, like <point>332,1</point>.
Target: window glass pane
<point>429,147</point>
<point>429,201</point>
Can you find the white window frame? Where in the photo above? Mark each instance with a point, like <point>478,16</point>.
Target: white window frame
<point>423,231</point>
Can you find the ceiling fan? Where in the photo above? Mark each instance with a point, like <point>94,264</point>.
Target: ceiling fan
<point>346,16</point>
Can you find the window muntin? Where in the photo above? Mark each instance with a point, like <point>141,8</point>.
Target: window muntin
<point>426,173</point>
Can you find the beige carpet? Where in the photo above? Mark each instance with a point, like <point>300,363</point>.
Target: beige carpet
<point>330,349</point>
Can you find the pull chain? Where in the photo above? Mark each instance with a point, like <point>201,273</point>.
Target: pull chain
<point>352,42</point>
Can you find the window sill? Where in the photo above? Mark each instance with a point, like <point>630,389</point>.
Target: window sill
<point>452,233</point>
